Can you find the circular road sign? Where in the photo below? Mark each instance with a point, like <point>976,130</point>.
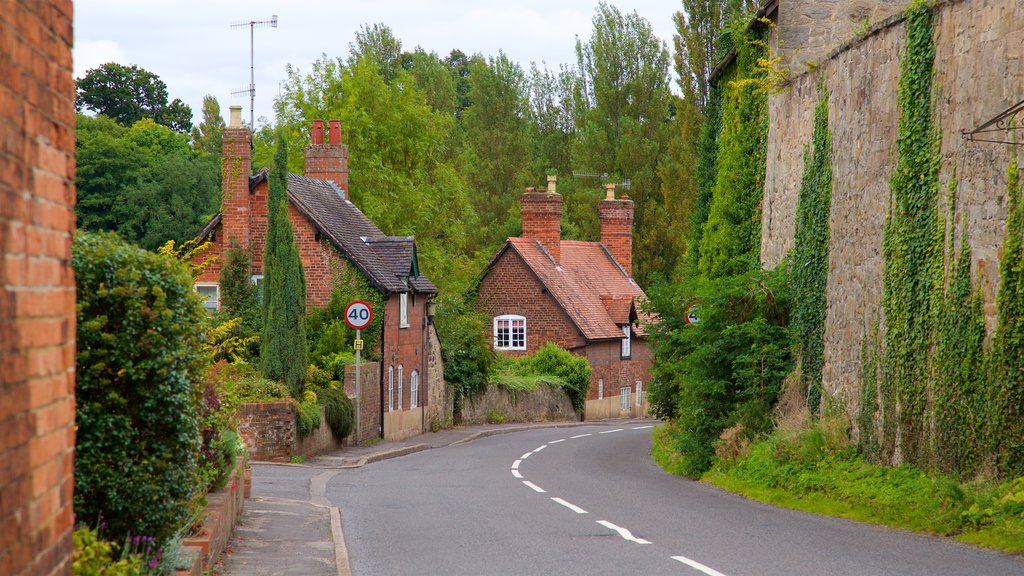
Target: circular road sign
<point>691,313</point>
<point>358,315</point>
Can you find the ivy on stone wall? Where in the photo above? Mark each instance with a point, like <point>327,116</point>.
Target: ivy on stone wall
<point>731,237</point>
<point>810,251</point>
<point>908,246</point>
<point>707,169</point>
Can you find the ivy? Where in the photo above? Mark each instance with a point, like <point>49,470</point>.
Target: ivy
<point>707,169</point>
<point>810,252</point>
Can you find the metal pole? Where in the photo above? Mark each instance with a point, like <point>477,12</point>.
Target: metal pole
<point>252,78</point>
<point>359,395</point>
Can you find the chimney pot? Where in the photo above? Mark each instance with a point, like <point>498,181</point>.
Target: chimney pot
<point>551,184</point>
<point>316,133</point>
<point>334,132</point>
<point>235,118</point>
<point>327,161</point>
<point>609,191</point>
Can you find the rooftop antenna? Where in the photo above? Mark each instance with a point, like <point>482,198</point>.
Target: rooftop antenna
<point>253,24</point>
<point>625,184</point>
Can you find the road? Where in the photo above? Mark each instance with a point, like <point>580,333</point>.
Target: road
<point>589,501</point>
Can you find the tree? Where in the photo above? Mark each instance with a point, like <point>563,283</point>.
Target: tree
<point>128,94</point>
<point>207,136</point>
<point>697,27</point>
<point>378,43</point>
<point>283,351</point>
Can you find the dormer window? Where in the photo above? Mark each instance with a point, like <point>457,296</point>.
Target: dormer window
<point>509,332</point>
<point>626,342</point>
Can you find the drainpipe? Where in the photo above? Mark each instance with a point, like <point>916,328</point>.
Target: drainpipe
<point>383,356</point>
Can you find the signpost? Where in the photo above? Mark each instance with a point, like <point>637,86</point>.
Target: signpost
<point>358,315</point>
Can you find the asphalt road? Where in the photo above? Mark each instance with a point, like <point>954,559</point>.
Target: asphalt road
<point>589,501</point>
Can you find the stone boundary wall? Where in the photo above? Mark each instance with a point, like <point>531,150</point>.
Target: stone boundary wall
<point>547,404</point>
<point>271,434</point>
<point>37,288</point>
<point>440,405</point>
<point>979,73</point>
<point>369,383</point>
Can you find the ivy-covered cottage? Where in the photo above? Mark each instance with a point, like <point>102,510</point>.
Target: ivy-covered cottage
<point>539,288</point>
<point>338,244</point>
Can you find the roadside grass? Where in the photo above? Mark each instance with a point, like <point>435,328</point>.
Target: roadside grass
<point>816,470</point>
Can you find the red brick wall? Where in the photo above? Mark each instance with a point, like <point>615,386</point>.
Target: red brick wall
<point>236,165</point>
<point>37,293</point>
<point>405,347</point>
<point>617,230</point>
<point>542,220</point>
<point>369,407</point>
<point>510,288</point>
<point>605,362</point>
<point>327,161</point>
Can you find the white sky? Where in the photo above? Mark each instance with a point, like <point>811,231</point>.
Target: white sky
<point>191,46</point>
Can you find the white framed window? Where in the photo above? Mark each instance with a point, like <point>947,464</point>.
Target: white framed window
<point>400,378</point>
<point>391,388</point>
<point>257,281</point>
<point>624,399</point>
<point>626,341</point>
<point>639,392</point>
<point>414,388</point>
<point>209,293</point>
<point>600,388</point>
<point>509,332</point>
<point>403,311</point>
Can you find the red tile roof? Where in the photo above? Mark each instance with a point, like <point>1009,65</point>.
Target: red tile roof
<point>588,284</point>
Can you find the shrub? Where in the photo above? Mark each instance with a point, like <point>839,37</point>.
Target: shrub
<point>93,556</point>
<point>339,411</point>
<point>307,418</point>
<point>573,371</point>
<point>139,374</point>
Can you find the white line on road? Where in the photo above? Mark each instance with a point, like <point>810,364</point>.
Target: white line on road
<point>698,566</point>
<point>556,441</point>
<point>610,431</point>
<point>643,427</point>
<point>581,435</point>
<point>516,473</point>
<point>570,506</point>
<point>626,534</point>
<point>541,448</point>
<point>525,456</point>
<point>534,486</point>
<point>515,465</point>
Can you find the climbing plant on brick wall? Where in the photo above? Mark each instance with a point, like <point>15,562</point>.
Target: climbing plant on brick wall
<point>810,251</point>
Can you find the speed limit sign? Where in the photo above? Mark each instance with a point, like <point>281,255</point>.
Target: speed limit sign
<point>358,315</point>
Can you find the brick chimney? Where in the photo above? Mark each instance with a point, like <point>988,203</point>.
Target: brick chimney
<point>617,227</point>
<point>327,161</point>
<point>236,165</point>
<point>542,218</point>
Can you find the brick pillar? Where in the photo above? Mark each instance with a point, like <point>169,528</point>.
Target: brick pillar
<point>236,159</point>
<point>37,291</point>
<point>617,227</point>
<point>327,161</point>
<point>542,218</point>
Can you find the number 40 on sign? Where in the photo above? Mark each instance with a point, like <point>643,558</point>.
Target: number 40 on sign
<point>358,315</point>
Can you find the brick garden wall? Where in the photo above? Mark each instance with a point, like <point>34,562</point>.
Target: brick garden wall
<point>369,383</point>
<point>37,293</point>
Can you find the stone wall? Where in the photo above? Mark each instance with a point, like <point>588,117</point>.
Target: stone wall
<point>979,73</point>
<point>440,404</point>
<point>369,384</point>
<point>37,291</point>
<point>811,29</point>
<point>547,404</point>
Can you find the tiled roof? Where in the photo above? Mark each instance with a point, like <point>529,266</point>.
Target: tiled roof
<point>588,284</point>
<point>383,259</point>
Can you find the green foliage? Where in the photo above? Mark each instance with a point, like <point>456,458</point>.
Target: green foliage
<point>552,366</point>
<point>128,94</point>
<point>706,173</point>
<point>143,181</point>
<point>246,383</point>
<point>93,556</point>
<point>731,238</point>
<point>810,252</point>
<point>724,370</point>
<point>283,350</point>
<point>330,340</point>
<point>239,302</point>
<point>307,418</point>
<point>208,136</point>
<point>139,370</point>
<point>339,411</point>
<point>465,346</point>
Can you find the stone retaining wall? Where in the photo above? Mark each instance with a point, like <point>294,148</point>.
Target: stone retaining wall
<point>547,404</point>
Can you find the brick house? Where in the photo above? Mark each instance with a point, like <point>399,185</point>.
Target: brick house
<point>539,288</point>
<point>334,239</point>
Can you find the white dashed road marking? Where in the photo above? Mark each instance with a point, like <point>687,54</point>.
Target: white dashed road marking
<point>534,486</point>
<point>698,566</point>
<point>515,465</point>
<point>556,441</point>
<point>570,506</point>
<point>580,436</point>
<point>541,448</point>
<point>643,427</point>
<point>517,474</point>
<point>610,431</point>
<point>525,456</point>
<point>626,534</point>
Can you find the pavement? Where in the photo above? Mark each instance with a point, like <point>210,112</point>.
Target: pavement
<point>289,527</point>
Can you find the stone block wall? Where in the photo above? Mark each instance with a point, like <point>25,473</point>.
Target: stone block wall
<point>440,404</point>
<point>547,404</point>
<point>37,291</point>
<point>979,73</point>
<point>811,29</point>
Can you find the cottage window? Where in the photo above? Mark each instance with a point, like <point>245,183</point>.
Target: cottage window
<point>403,311</point>
<point>209,293</point>
<point>391,388</point>
<point>639,393</point>
<point>626,342</point>
<point>624,399</point>
<point>414,388</point>
<point>257,281</point>
<point>510,332</point>
<point>600,388</point>
<point>400,378</point>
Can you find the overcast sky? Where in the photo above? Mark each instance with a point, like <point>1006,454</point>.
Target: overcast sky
<point>190,44</point>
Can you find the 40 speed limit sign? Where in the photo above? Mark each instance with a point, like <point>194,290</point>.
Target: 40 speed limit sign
<point>358,315</point>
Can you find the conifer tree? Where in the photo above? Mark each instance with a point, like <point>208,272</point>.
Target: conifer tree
<point>283,344</point>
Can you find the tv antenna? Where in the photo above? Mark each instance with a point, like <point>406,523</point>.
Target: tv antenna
<point>253,24</point>
<point>624,184</point>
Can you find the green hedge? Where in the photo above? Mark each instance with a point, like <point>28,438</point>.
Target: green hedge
<point>139,369</point>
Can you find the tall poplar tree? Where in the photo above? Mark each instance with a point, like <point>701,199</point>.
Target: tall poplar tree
<point>283,354</point>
